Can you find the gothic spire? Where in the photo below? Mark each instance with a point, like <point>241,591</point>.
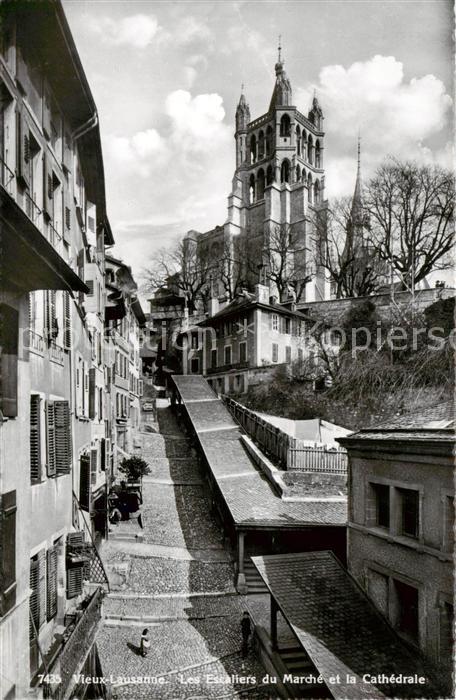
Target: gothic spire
<point>282,94</point>
<point>357,208</point>
<point>242,112</point>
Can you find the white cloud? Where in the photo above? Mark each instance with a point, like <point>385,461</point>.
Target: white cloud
<point>134,30</point>
<point>395,116</point>
<point>197,122</point>
<point>190,30</point>
<point>137,153</point>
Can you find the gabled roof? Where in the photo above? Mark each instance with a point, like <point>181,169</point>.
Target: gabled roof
<point>340,628</point>
<point>434,423</point>
<point>248,301</point>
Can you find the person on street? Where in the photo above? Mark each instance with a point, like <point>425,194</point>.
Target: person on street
<point>246,629</point>
<point>144,644</point>
<point>135,507</point>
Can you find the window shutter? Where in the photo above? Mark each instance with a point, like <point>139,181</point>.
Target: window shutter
<point>93,466</point>
<point>50,439</point>
<point>67,155</point>
<point>23,150</point>
<point>92,393</point>
<point>42,586</point>
<point>68,218</point>
<point>66,321</point>
<point>8,559</point>
<point>62,437</point>
<point>34,600</point>
<point>35,438</point>
<point>84,483</point>
<point>9,335</point>
<point>90,283</point>
<point>81,257</point>
<point>103,454</point>
<point>74,581</point>
<point>47,180</point>
<point>51,607</point>
<point>47,114</point>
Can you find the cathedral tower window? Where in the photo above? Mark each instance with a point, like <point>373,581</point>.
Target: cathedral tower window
<point>260,184</point>
<point>285,126</point>
<point>269,175</point>
<point>269,142</point>
<point>317,192</point>
<point>310,149</point>
<point>317,154</point>
<point>260,145</point>
<point>253,148</point>
<point>298,173</point>
<point>285,171</point>
<point>309,187</point>
<point>303,144</point>
<point>298,140</point>
<point>252,189</point>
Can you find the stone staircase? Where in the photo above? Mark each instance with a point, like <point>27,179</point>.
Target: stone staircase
<point>255,583</point>
<point>298,663</point>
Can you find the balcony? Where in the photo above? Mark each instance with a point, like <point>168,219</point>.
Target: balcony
<point>7,177</point>
<point>55,238</point>
<point>56,353</point>
<point>35,342</point>
<point>32,210</point>
<point>71,650</point>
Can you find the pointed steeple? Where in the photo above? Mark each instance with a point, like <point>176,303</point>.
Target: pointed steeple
<point>242,112</point>
<point>315,114</point>
<point>282,94</point>
<point>357,208</point>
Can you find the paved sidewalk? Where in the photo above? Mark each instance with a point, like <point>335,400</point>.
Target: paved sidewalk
<point>176,578</point>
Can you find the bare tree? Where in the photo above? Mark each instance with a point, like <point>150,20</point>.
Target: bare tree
<point>353,264</point>
<point>182,269</point>
<point>411,212</point>
<point>286,261</point>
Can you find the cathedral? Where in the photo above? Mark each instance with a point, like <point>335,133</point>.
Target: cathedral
<point>278,195</point>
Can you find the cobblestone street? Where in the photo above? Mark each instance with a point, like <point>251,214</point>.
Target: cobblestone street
<point>176,578</point>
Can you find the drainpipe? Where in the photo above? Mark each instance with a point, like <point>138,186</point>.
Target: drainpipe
<point>90,124</point>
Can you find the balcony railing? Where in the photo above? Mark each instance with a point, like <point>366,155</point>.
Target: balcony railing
<point>56,353</point>
<point>35,342</point>
<point>55,238</point>
<point>32,210</point>
<point>7,177</point>
<point>79,637</point>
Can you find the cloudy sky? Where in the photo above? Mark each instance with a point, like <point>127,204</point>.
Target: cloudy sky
<point>166,78</point>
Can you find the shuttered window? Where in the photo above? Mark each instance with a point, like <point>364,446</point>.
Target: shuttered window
<point>90,284</point>
<point>92,389</point>
<point>84,483</point>
<point>8,545</point>
<point>66,321</point>
<point>34,599</point>
<point>275,352</point>
<point>93,466</point>
<point>75,571</point>
<point>35,438</point>
<point>62,437</point>
<point>51,469</point>
<point>51,583</point>
<point>9,334</point>
<point>74,581</point>
<point>23,150</point>
<point>38,595</point>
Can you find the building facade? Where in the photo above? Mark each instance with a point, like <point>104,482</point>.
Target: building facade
<point>401,527</point>
<point>245,341</point>
<point>56,440</point>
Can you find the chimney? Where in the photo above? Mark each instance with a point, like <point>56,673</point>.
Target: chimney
<point>261,294</point>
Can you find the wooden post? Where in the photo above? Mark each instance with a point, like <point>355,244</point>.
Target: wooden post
<point>241,583</point>
<point>273,624</point>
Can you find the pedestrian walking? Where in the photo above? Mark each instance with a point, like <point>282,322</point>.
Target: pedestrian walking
<point>246,629</point>
<point>144,644</point>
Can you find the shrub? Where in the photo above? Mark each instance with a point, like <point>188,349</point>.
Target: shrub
<point>134,468</point>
